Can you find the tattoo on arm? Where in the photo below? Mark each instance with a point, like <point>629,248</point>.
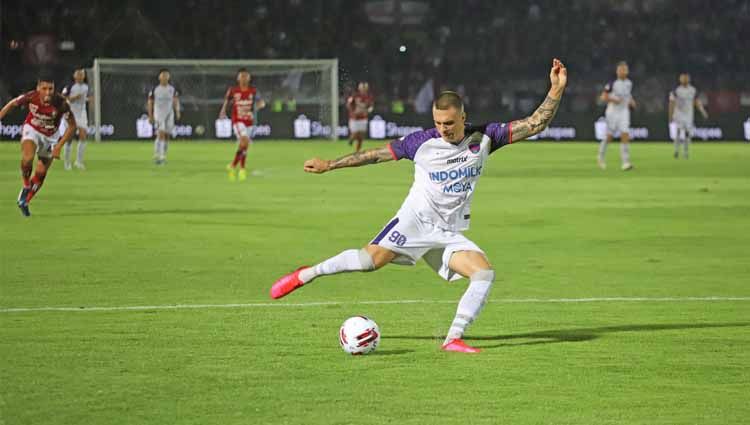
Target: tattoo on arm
<point>371,156</point>
<point>537,122</point>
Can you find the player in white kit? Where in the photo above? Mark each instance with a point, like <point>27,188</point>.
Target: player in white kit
<point>619,98</point>
<point>682,101</point>
<point>448,161</point>
<point>163,109</point>
<point>78,97</point>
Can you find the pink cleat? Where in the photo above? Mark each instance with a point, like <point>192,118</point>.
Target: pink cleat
<point>287,284</point>
<point>459,346</point>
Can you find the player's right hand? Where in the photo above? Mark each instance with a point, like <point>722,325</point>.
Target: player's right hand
<point>151,120</point>
<point>316,166</point>
<point>558,75</point>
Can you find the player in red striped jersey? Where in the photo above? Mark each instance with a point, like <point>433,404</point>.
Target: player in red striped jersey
<point>359,105</point>
<point>245,101</point>
<point>39,135</point>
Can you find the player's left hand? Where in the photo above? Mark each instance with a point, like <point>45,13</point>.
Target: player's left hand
<point>56,153</point>
<point>558,75</point>
<point>316,166</point>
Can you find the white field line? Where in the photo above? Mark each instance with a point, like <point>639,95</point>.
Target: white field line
<point>328,303</point>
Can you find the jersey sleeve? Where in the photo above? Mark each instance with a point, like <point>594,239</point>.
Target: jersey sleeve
<point>608,87</point>
<point>500,134</point>
<point>407,146</point>
<point>151,93</point>
<point>66,91</point>
<point>23,99</point>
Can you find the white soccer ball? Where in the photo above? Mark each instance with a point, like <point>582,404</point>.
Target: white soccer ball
<point>359,335</point>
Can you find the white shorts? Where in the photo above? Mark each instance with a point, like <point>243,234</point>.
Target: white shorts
<point>683,128</point>
<point>165,124</point>
<point>44,144</point>
<point>82,120</point>
<point>242,130</point>
<point>358,126</point>
<point>412,239</point>
<point>618,123</point>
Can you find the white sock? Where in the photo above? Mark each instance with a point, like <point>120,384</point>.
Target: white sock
<point>351,260</point>
<point>625,152</point>
<point>686,145</point>
<point>677,142</point>
<point>80,151</point>
<point>156,147</point>
<point>602,149</point>
<point>162,149</point>
<point>471,303</point>
<point>67,149</point>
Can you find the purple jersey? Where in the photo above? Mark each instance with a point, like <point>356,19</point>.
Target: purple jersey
<point>446,174</point>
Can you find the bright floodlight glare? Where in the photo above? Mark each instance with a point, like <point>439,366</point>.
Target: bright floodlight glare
<point>402,49</point>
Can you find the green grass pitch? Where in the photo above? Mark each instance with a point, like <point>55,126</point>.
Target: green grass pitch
<point>126,233</point>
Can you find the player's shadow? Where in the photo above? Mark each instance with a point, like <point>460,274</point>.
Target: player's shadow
<point>575,335</point>
<point>391,352</point>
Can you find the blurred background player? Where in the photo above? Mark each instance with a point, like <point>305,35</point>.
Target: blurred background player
<point>682,100</point>
<point>39,135</point>
<point>245,101</point>
<point>163,109</point>
<point>619,98</point>
<point>359,105</point>
<point>78,97</point>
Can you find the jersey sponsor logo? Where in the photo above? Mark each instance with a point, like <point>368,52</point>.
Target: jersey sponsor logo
<point>457,160</point>
<point>474,147</point>
<point>441,176</point>
<point>457,187</point>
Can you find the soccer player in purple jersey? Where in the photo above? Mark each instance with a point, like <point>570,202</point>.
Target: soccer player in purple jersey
<point>448,161</point>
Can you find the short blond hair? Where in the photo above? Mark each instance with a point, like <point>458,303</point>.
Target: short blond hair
<point>447,100</point>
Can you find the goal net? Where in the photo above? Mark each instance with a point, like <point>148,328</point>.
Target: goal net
<point>290,88</point>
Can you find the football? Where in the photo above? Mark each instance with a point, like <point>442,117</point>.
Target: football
<point>359,335</point>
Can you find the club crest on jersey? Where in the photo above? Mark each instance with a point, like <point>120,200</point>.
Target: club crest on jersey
<point>474,147</point>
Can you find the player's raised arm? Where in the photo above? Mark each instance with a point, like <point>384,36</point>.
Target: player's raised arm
<point>7,108</point>
<point>540,119</point>
<point>370,156</point>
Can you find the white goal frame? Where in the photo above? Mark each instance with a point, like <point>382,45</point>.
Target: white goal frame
<point>332,63</point>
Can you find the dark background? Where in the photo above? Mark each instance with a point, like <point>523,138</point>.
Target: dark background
<point>496,53</point>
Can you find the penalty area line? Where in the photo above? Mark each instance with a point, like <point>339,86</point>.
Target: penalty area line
<point>334,303</point>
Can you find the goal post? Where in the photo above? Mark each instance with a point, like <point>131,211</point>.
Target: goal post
<point>307,87</point>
